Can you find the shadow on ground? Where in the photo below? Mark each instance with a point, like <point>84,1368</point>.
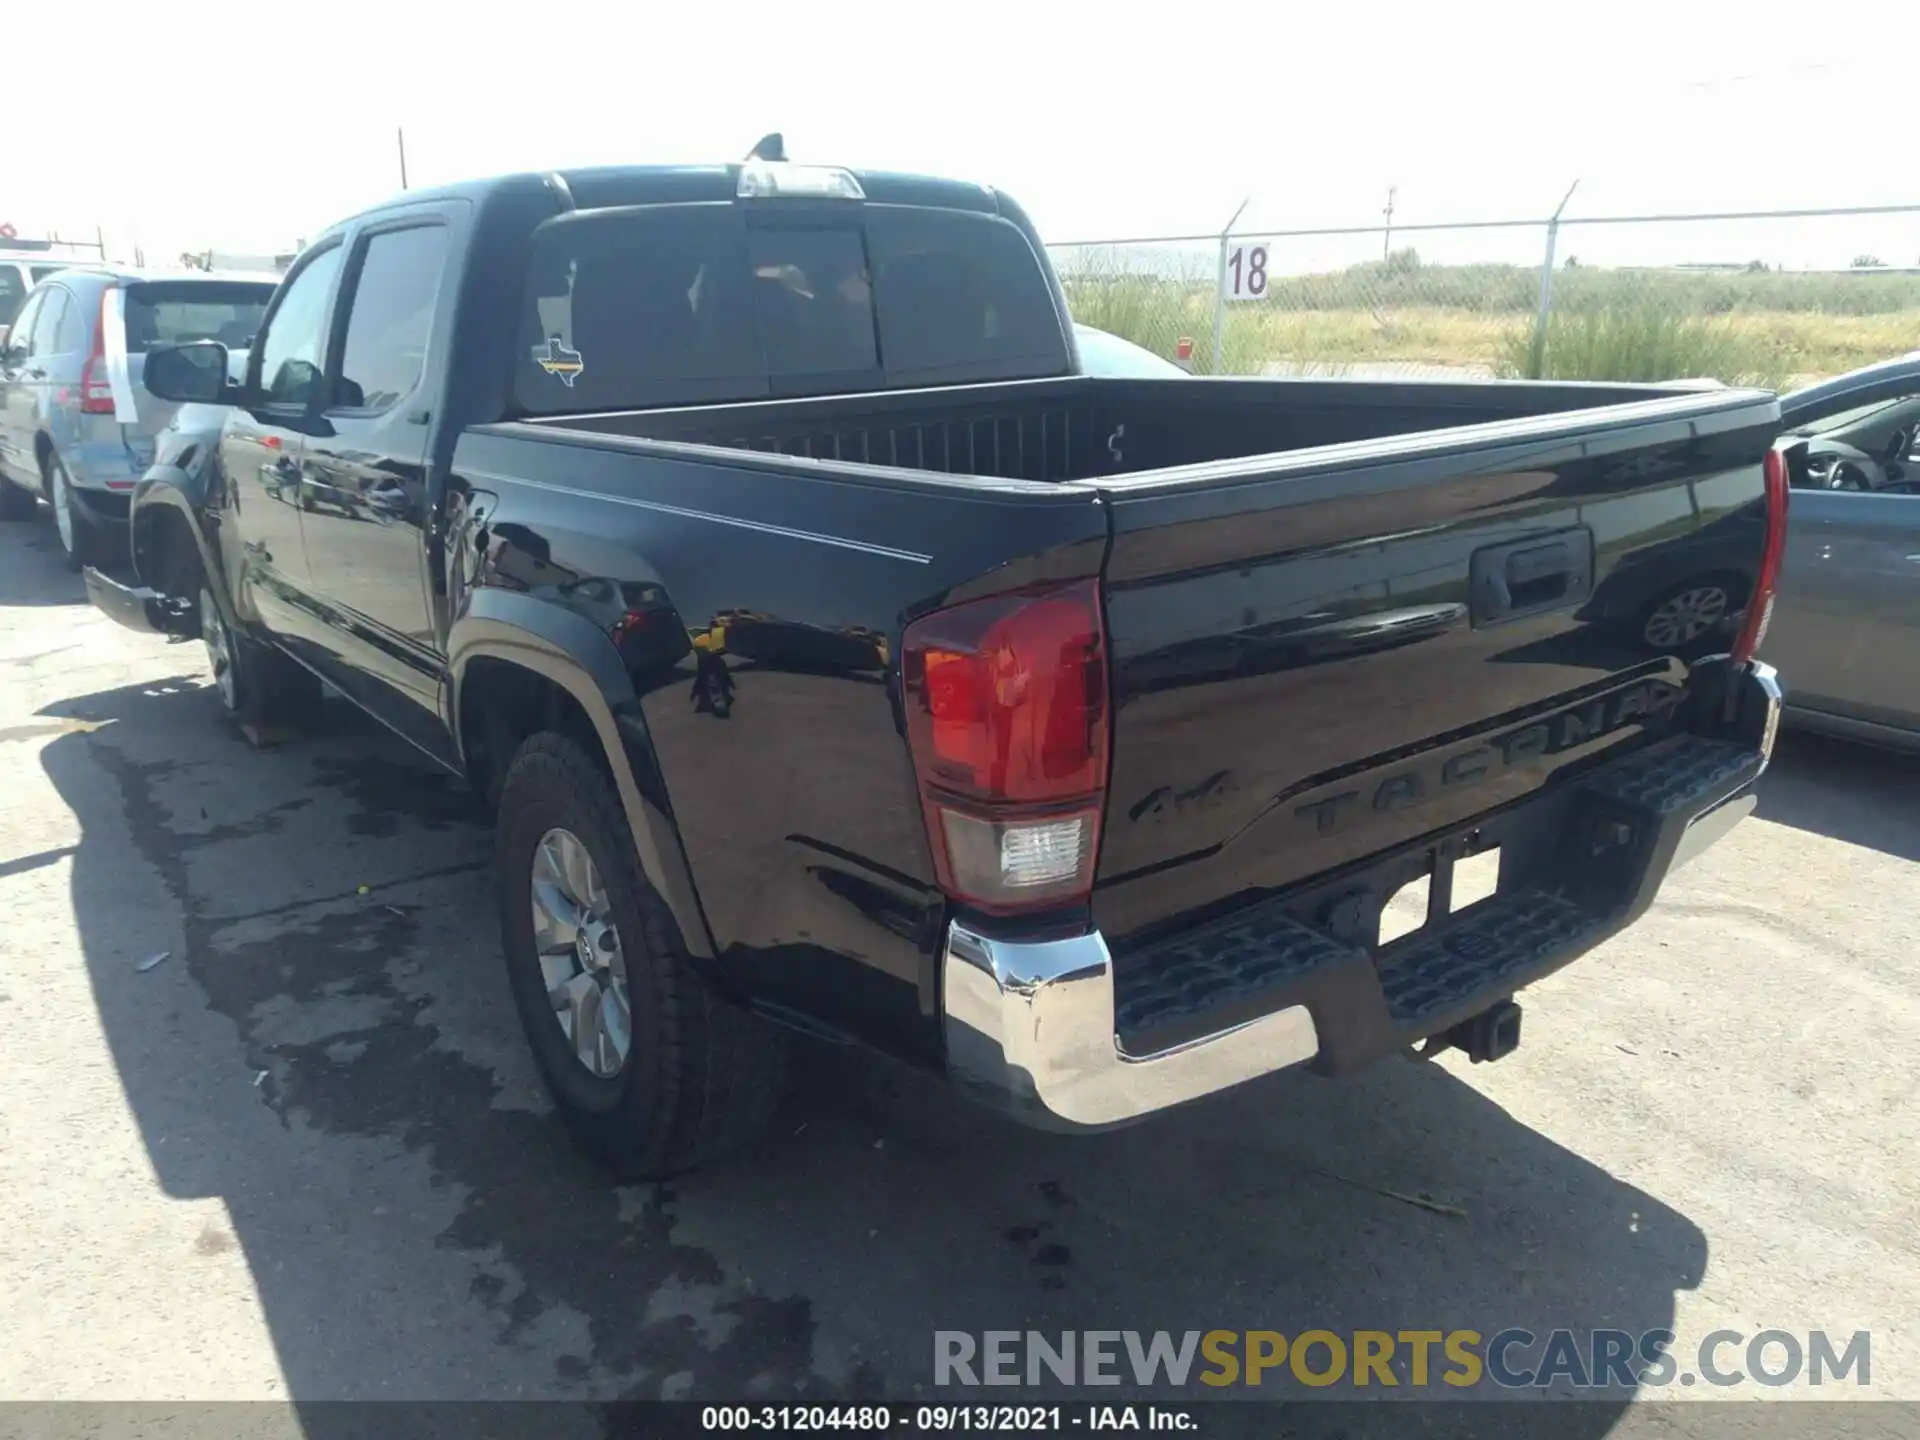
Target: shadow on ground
<point>45,579</point>
<point>418,1225</point>
<point>1855,793</point>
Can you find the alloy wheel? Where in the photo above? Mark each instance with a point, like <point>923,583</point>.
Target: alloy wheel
<point>213,630</point>
<point>62,505</point>
<point>1686,617</point>
<point>581,961</point>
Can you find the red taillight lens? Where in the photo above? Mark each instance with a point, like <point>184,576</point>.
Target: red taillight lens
<point>96,390</point>
<point>1767,582</point>
<point>1006,703</point>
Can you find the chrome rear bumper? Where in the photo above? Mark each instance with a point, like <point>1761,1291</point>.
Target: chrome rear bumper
<point>1030,1026</point>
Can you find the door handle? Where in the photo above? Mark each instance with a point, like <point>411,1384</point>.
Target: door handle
<point>1508,581</point>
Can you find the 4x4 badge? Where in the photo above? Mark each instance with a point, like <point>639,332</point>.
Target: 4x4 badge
<point>558,361</point>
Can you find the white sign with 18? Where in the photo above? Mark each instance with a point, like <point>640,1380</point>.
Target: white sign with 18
<point>1243,272</point>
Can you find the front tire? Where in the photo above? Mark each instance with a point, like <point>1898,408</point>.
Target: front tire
<point>257,684</point>
<point>653,1071</point>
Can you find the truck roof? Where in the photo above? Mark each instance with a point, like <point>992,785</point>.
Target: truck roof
<point>599,187</point>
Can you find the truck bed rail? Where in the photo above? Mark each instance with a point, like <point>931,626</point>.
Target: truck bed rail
<point>1046,434</point>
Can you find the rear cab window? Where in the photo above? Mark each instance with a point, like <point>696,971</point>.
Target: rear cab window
<point>177,312</point>
<point>714,302</point>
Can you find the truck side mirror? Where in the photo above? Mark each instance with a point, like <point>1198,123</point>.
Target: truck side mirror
<point>193,374</point>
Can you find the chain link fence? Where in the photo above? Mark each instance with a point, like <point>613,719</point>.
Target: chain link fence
<point>1776,299</point>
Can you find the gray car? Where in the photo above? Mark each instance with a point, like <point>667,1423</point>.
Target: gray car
<point>76,425</point>
<point>1102,353</point>
<point>1845,632</point>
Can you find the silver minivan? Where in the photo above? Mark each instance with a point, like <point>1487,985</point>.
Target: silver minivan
<point>76,425</point>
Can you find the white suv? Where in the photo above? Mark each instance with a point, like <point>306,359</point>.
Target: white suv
<point>19,273</point>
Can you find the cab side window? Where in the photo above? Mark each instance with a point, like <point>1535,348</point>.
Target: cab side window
<point>391,317</point>
<point>293,350</point>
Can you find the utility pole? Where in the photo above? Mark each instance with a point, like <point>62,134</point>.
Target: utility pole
<point>1537,352</point>
<point>1220,289</point>
<point>402,135</point>
<point>1386,243</point>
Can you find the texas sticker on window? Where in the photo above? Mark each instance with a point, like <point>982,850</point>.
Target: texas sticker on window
<point>558,361</point>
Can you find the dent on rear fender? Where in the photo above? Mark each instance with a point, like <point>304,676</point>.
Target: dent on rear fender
<point>558,640</point>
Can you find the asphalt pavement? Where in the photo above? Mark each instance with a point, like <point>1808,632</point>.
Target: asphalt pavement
<point>304,1157</point>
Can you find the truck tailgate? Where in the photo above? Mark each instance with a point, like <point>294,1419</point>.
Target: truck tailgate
<point>1363,644</point>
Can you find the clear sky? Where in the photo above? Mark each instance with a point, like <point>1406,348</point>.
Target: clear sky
<point>246,127</point>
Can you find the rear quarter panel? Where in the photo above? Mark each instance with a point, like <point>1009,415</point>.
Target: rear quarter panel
<point>757,609</point>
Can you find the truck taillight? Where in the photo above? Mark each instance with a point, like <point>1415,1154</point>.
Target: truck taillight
<point>1767,582</point>
<point>96,390</point>
<point>1006,709</point>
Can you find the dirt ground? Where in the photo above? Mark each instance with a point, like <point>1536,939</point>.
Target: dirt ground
<point>305,1158</point>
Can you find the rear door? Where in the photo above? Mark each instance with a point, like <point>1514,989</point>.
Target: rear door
<point>33,348</point>
<point>1369,643</point>
<point>1845,634</point>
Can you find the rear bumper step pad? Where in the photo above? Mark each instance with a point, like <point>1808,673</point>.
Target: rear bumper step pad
<point>1599,852</point>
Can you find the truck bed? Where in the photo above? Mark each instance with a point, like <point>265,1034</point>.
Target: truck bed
<point>1340,616</point>
<point>1086,428</point>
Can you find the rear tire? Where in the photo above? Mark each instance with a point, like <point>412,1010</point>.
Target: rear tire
<point>257,684</point>
<point>16,504</point>
<point>79,540</point>
<point>699,1075</point>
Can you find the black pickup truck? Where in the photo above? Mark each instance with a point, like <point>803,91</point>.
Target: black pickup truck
<point>838,656</point>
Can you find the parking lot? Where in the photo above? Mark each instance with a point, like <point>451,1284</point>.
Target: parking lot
<point>305,1156</point>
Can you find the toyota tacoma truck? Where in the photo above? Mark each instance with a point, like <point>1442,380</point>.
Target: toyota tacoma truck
<point>835,655</point>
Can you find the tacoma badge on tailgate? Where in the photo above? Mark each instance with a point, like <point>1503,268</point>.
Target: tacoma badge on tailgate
<point>1475,761</point>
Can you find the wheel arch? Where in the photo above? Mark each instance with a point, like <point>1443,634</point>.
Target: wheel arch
<point>517,665</point>
<point>166,526</point>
